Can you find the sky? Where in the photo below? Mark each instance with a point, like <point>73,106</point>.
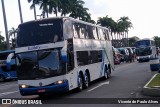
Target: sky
<point>144,14</point>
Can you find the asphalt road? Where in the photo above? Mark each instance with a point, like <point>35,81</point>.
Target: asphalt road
<point>127,81</point>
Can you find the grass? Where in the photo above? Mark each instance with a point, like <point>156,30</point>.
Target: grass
<point>155,82</point>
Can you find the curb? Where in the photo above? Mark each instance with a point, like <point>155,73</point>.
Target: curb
<point>151,91</point>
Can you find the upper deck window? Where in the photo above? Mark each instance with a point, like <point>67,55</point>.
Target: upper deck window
<point>40,32</point>
<point>84,31</point>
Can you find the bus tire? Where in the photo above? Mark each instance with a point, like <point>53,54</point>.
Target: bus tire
<point>86,81</point>
<point>1,78</point>
<point>105,73</point>
<point>109,72</point>
<point>80,83</point>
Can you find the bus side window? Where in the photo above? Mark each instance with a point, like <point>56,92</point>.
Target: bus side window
<point>83,32</point>
<point>90,32</point>
<point>100,56</point>
<point>95,33</point>
<point>100,33</point>
<point>76,30</point>
<point>94,56</point>
<point>70,64</point>
<point>82,58</point>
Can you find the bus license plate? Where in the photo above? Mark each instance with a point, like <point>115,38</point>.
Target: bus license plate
<point>41,91</point>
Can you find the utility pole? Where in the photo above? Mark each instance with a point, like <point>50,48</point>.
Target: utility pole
<point>20,11</point>
<point>5,24</point>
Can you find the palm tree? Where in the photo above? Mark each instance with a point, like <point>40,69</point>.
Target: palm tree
<point>43,5</point>
<point>126,24</point>
<point>5,24</point>
<point>78,10</point>
<point>33,6</point>
<point>12,33</point>
<point>109,23</point>
<point>54,6</point>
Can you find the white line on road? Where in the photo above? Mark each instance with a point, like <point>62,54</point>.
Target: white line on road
<point>8,86</point>
<point>7,93</point>
<point>104,83</point>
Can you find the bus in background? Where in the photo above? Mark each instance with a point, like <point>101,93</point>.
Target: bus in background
<point>145,50</point>
<point>7,65</point>
<point>60,54</point>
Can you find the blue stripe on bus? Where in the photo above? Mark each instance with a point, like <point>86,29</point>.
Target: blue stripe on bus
<point>56,88</point>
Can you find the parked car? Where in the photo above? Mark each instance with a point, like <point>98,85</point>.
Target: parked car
<point>117,56</point>
<point>157,50</point>
<point>131,54</point>
<point>125,54</point>
<point>7,65</point>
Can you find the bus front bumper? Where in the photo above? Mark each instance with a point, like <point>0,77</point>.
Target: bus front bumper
<point>143,59</point>
<point>55,88</point>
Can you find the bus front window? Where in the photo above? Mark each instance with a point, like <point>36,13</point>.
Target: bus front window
<point>40,64</point>
<point>143,51</point>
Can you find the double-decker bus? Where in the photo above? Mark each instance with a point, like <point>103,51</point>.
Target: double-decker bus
<point>61,54</point>
<point>7,65</point>
<point>145,50</point>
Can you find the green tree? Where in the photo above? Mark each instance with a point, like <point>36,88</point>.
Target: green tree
<point>33,6</point>
<point>126,24</point>
<point>157,41</point>
<point>133,40</point>
<point>12,36</point>
<point>2,43</point>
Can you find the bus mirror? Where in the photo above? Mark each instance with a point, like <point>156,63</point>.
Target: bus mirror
<point>64,56</point>
<point>8,61</point>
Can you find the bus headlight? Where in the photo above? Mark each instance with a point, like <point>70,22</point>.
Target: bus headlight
<point>23,86</point>
<point>59,82</point>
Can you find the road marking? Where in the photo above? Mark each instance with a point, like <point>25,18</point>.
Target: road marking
<point>8,86</point>
<point>7,93</point>
<point>123,66</point>
<point>104,83</point>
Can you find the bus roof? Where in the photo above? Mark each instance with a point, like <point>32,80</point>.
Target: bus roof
<point>144,39</point>
<point>6,51</point>
<point>76,20</point>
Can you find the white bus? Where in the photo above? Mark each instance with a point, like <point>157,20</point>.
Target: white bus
<point>145,50</point>
<point>61,54</point>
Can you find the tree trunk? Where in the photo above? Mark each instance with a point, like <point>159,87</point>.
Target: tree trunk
<point>20,11</point>
<point>5,24</point>
<point>35,15</point>
<point>127,39</point>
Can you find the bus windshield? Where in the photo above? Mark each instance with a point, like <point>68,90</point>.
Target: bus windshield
<point>143,43</point>
<point>143,51</point>
<point>39,32</point>
<point>39,64</point>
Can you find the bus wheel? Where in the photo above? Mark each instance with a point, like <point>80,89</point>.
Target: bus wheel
<point>86,81</point>
<point>109,73</point>
<point>80,83</point>
<point>2,78</point>
<point>105,74</point>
